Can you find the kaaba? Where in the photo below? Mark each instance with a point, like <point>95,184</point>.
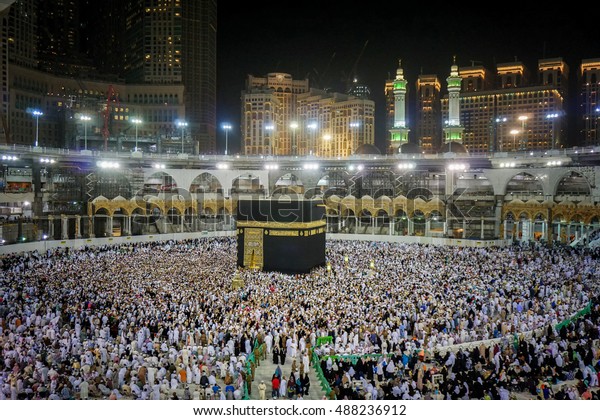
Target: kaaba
<point>281,235</point>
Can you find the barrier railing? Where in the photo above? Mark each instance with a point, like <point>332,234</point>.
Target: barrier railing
<point>324,340</point>
<point>257,351</point>
<point>319,373</point>
<point>574,318</point>
<point>353,358</point>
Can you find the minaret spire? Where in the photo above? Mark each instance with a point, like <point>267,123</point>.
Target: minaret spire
<point>399,133</point>
<point>453,130</point>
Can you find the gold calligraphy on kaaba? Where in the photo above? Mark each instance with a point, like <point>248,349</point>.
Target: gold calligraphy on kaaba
<point>283,233</point>
<point>253,247</point>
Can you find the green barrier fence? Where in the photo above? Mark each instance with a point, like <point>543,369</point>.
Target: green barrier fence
<point>324,340</point>
<point>574,318</point>
<point>354,357</point>
<point>251,359</point>
<point>319,372</point>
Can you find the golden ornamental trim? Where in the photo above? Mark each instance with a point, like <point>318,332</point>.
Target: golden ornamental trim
<point>280,225</point>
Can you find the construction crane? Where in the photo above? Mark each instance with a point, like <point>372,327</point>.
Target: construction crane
<point>320,77</point>
<point>111,98</point>
<point>352,74</point>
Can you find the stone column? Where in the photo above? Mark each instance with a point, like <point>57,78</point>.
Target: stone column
<point>464,235</point>
<point>64,227</point>
<point>126,227</point>
<point>91,227</point>
<point>51,227</point>
<point>544,230</point>
<point>77,227</point>
<point>392,226</point>
<point>109,227</point>
<point>427,226</point>
<point>411,227</point>
<point>498,218</point>
<point>524,231</point>
<point>482,232</point>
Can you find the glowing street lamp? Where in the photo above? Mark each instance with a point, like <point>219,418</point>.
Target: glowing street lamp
<point>182,125</point>
<point>354,133</point>
<point>85,119</point>
<point>294,127</point>
<point>226,127</point>
<point>497,145</point>
<point>269,129</point>
<point>523,119</point>
<point>514,134</point>
<point>553,117</point>
<point>37,114</point>
<point>327,144</point>
<point>136,122</point>
<point>313,128</point>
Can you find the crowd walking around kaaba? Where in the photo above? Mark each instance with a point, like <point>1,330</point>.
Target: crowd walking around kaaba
<point>160,320</point>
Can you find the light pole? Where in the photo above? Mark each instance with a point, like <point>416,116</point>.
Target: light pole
<point>498,144</point>
<point>293,126</point>
<point>136,122</point>
<point>523,118</point>
<point>514,134</point>
<point>182,125</point>
<point>226,127</point>
<point>354,125</point>
<point>37,114</point>
<point>269,129</point>
<point>312,127</point>
<point>85,119</point>
<point>553,118</point>
<point>327,139</point>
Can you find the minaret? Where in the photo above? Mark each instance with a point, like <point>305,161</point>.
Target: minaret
<point>399,133</point>
<point>453,131</point>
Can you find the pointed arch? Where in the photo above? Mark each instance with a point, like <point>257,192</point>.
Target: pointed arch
<point>158,182</point>
<point>525,183</point>
<point>247,184</point>
<point>206,183</point>
<point>572,183</point>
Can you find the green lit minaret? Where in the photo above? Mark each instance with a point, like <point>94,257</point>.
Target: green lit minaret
<point>399,134</point>
<point>453,131</point>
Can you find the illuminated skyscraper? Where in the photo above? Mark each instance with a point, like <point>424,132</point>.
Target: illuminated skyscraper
<point>4,128</point>
<point>338,124</point>
<point>429,114</point>
<point>23,33</point>
<point>285,89</point>
<point>589,102</point>
<point>514,116</point>
<point>59,38</point>
<point>174,41</point>
<point>260,114</point>
<point>389,111</point>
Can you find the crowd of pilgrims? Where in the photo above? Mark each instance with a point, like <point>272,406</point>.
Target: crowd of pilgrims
<point>146,320</point>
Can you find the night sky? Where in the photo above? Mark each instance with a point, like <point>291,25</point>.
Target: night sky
<point>262,37</point>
